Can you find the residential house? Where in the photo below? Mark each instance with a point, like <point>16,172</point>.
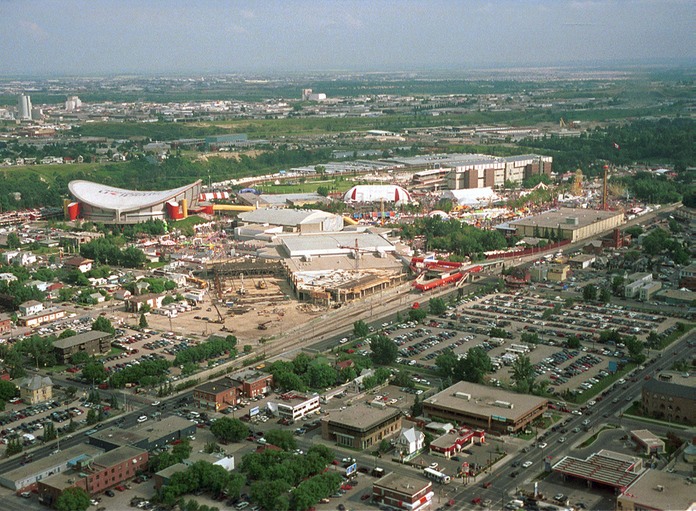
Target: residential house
<point>410,442</point>
<point>79,263</point>
<point>36,389</point>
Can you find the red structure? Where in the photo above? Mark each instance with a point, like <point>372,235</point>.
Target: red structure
<point>433,273</point>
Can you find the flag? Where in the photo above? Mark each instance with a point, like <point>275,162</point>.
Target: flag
<point>616,146</point>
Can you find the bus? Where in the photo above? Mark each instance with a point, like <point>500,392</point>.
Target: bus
<point>436,476</point>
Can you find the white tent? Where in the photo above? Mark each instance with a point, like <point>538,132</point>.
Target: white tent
<point>471,196</point>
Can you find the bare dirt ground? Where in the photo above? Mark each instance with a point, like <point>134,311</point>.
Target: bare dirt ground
<point>229,155</point>
<point>272,308</point>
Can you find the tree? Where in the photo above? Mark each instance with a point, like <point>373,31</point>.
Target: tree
<point>68,332</point>
<point>14,446</point>
<point>476,364</point>
<point>81,357</point>
<point>73,499</point>
<point>143,321</point>
<point>8,390</point>
<point>13,241</point>
<point>523,374</point>
<point>227,430</point>
<point>604,295</point>
<point>92,417</point>
<point>94,372</point>
<point>102,324</point>
<point>437,306</point>
<point>417,315</point>
<point>281,438</point>
<point>360,329</point>
<point>417,408</point>
<point>617,285</point>
<point>384,350</point>
<point>573,343</point>
<point>589,293</point>
<point>635,349</point>
<point>49,432</point>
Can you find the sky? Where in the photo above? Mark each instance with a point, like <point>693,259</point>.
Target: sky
<point>96,37</point>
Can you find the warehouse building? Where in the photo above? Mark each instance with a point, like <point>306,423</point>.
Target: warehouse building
<point>488,408</point>
<point>294,220</point>
<point>655,490</point>
<point>574,224</point>
<point>361,426</point>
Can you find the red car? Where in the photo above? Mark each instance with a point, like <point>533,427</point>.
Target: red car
<point>346,487</point>
<point>476,500</point>
<point>487,485</point>
<point>120,487</point>
<point>365,497</point>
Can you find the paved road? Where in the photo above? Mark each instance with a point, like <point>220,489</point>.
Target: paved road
<point>503,486</point>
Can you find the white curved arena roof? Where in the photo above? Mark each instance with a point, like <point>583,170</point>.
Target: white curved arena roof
<point>109,197</point>
<point>374,193</point>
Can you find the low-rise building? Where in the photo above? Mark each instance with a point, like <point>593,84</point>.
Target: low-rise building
<point>410,442</point>
<point>655,490</point>
<point>40,318</point>
<point>135,303</point>
<point>215,395</point>
<point>454,441</point>
<point>483,407</point>
<point>361,426</point>
<point>36,389</point>
<point>604,468</point>
<point>293,406</point>
<point>252,383</point>
<point>672,400</point>
<point>31,307</point>
<point>402,492</point>
<point>647,442</point>
<point>558,272</point>
<point>92,342</point>
<point>82,264</point>
<point>641,286</point>
<point>5,324</point>
<point>95,474</point>
<point>582,261</point>
<point>26,477</point>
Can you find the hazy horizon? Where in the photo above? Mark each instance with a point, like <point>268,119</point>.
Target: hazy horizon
<point>177,37</point>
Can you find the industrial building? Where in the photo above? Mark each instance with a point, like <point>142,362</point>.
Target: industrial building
<point>361,426</point>
<point>482,407</point>
<point>293,406</point>
<point>106,204</point>
<point>574,224</point>
<point>93,342</point>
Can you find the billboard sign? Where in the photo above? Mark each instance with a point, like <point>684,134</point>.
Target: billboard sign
<point>254,411</point>
<point>351,469</point>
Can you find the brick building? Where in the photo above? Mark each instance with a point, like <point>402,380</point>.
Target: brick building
<point>361,426</point>
<point>95,474</point>
<point>215,395</point>
<point>5,324</point>
<point>402,492</point>
<point>673,400</point>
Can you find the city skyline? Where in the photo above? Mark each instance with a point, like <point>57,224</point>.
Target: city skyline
<point>76,37</point>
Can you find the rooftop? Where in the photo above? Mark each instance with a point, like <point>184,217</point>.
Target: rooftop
<point>660,490</point>
<point>482,401</point>
<point>678,387</point>
<point>215,387</point>
<point>403,484</point>
<point>118,436</point>
<point>604,467</point>
<point>552,219</point>
<point>157,429</point>
<point>289,217</point>
<point>335,243</point>
<point>69,455</point>
<point>110,197</point>
<point>361,416</point>
<point>76,340</point>
<point>646,437</point>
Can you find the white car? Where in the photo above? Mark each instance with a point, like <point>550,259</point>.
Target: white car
<point>526,464</point>
<point>155,403</point>
<point>543,445</point>
<point>142,418</point>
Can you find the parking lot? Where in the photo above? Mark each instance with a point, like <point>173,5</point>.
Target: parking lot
<point>508,325</point>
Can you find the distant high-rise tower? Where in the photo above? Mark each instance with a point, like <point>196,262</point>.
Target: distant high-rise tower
<point>73,103</point>
<point>24,108</point>
<point>305,94</point>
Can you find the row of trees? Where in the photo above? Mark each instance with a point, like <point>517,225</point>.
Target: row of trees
<point>212,348</point>
<point>107,250</point>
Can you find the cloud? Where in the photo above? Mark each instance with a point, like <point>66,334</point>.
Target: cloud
<point>33,30</point>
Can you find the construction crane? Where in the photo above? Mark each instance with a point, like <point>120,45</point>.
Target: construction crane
<point>356,251</point>
<point>242,290</point>
<point>605,191</point>
<point>577,183</point>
